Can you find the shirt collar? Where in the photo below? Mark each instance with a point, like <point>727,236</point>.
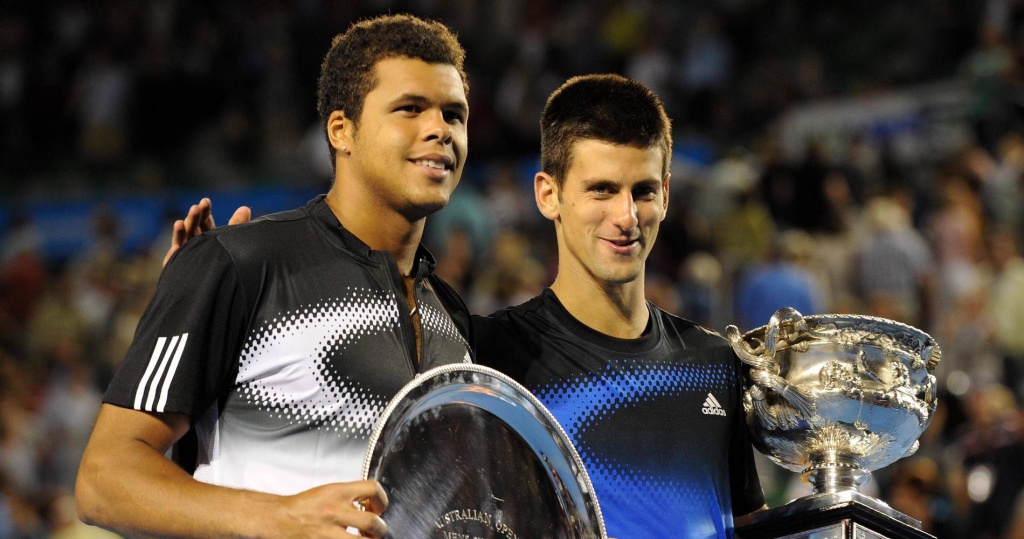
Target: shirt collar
<point>423,264</point>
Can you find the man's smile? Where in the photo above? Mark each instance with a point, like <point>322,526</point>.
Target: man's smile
<point>622,245</point>
<point>436,166</point>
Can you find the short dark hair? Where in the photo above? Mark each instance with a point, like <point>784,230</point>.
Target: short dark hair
<point>609,108</point>
<point>347,72</point>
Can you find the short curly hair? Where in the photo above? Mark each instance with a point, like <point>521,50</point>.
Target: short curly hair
<point>347,72</point>
<point>607,107</point>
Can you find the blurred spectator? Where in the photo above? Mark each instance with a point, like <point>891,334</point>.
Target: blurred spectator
<point>810,209</point>
<point>1006,305</point>
<point>69,407</point>
<point>509,199</point>
<point>20,432</point>
<point>700,280</point>
<point>706,67</point>
<point>836,244</point>
<point>22,280</point>
<point>219,154</point>
<point>966,333</point>
<point>131,300</point>
<point>894,267</point>
<point>1002,187</point>
<point>864,161</point>
<point>652,65</point>
<point>781,281</point>
<point>745,231</point>
<point>778,184</point>
<point>98,273</point>
<point>102,96</point>
<point>455,260</point>
<point>1016,527</point>
<point>466,210</point>
<point>510,276</point>
<point>916,488</point>
<point>56,320</point>
<point>14,66</point>
<point>990,68</point>
<point>992,449</point>
<point>19,518</point>
<point>661,291</point>
<point>955,229</point>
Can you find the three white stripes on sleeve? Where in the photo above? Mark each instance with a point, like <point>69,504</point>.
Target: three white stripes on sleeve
<point>159,364</point>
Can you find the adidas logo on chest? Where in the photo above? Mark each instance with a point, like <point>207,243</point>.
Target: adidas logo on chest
<point>712,407</point>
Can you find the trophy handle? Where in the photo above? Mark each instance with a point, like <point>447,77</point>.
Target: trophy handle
<point>771,334</point>
<point>799,327</point>
<point>765,371</point>
<point>748,354</point>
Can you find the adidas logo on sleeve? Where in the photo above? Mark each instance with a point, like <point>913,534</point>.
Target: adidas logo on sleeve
<point>712,407</point>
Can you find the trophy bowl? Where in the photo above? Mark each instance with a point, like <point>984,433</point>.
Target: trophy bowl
<point>464,451</point>
<point>835,397</point>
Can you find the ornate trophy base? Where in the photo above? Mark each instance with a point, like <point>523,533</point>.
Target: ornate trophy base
<point>841,515</point>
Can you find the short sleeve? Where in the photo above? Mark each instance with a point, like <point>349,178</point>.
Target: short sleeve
<point>184,353</point>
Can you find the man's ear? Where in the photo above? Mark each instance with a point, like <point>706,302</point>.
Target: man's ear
<point>664,189</point>
<point>340,130</point>
<point>545,190</point>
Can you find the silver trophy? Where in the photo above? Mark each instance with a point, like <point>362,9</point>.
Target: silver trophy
<point>835,397</point>
<point>464,451</point>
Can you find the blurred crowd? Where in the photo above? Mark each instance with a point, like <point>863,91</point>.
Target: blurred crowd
<point>121,96</point>
<point>116,94</point>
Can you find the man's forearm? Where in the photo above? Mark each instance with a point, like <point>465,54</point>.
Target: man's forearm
<point>127,485</point>
<point>137,492</point>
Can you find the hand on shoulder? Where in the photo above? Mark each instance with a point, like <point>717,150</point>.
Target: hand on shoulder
<point>198,220</point>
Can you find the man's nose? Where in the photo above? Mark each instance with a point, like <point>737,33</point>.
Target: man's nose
<point>625,212</point>
<point>437,128</point>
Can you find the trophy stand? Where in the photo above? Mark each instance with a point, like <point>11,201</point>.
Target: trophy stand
<point>835,397</point>
<point>838,515</point>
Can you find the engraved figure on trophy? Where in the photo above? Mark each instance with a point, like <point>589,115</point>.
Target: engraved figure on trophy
<point>836,397</point>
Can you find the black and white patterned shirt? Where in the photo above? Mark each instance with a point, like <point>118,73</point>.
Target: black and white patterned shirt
<point>283,340</point>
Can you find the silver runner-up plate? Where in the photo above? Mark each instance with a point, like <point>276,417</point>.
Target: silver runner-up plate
<point>465,452</point>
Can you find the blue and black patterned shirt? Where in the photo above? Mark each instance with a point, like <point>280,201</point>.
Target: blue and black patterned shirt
<point>658,420</point>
